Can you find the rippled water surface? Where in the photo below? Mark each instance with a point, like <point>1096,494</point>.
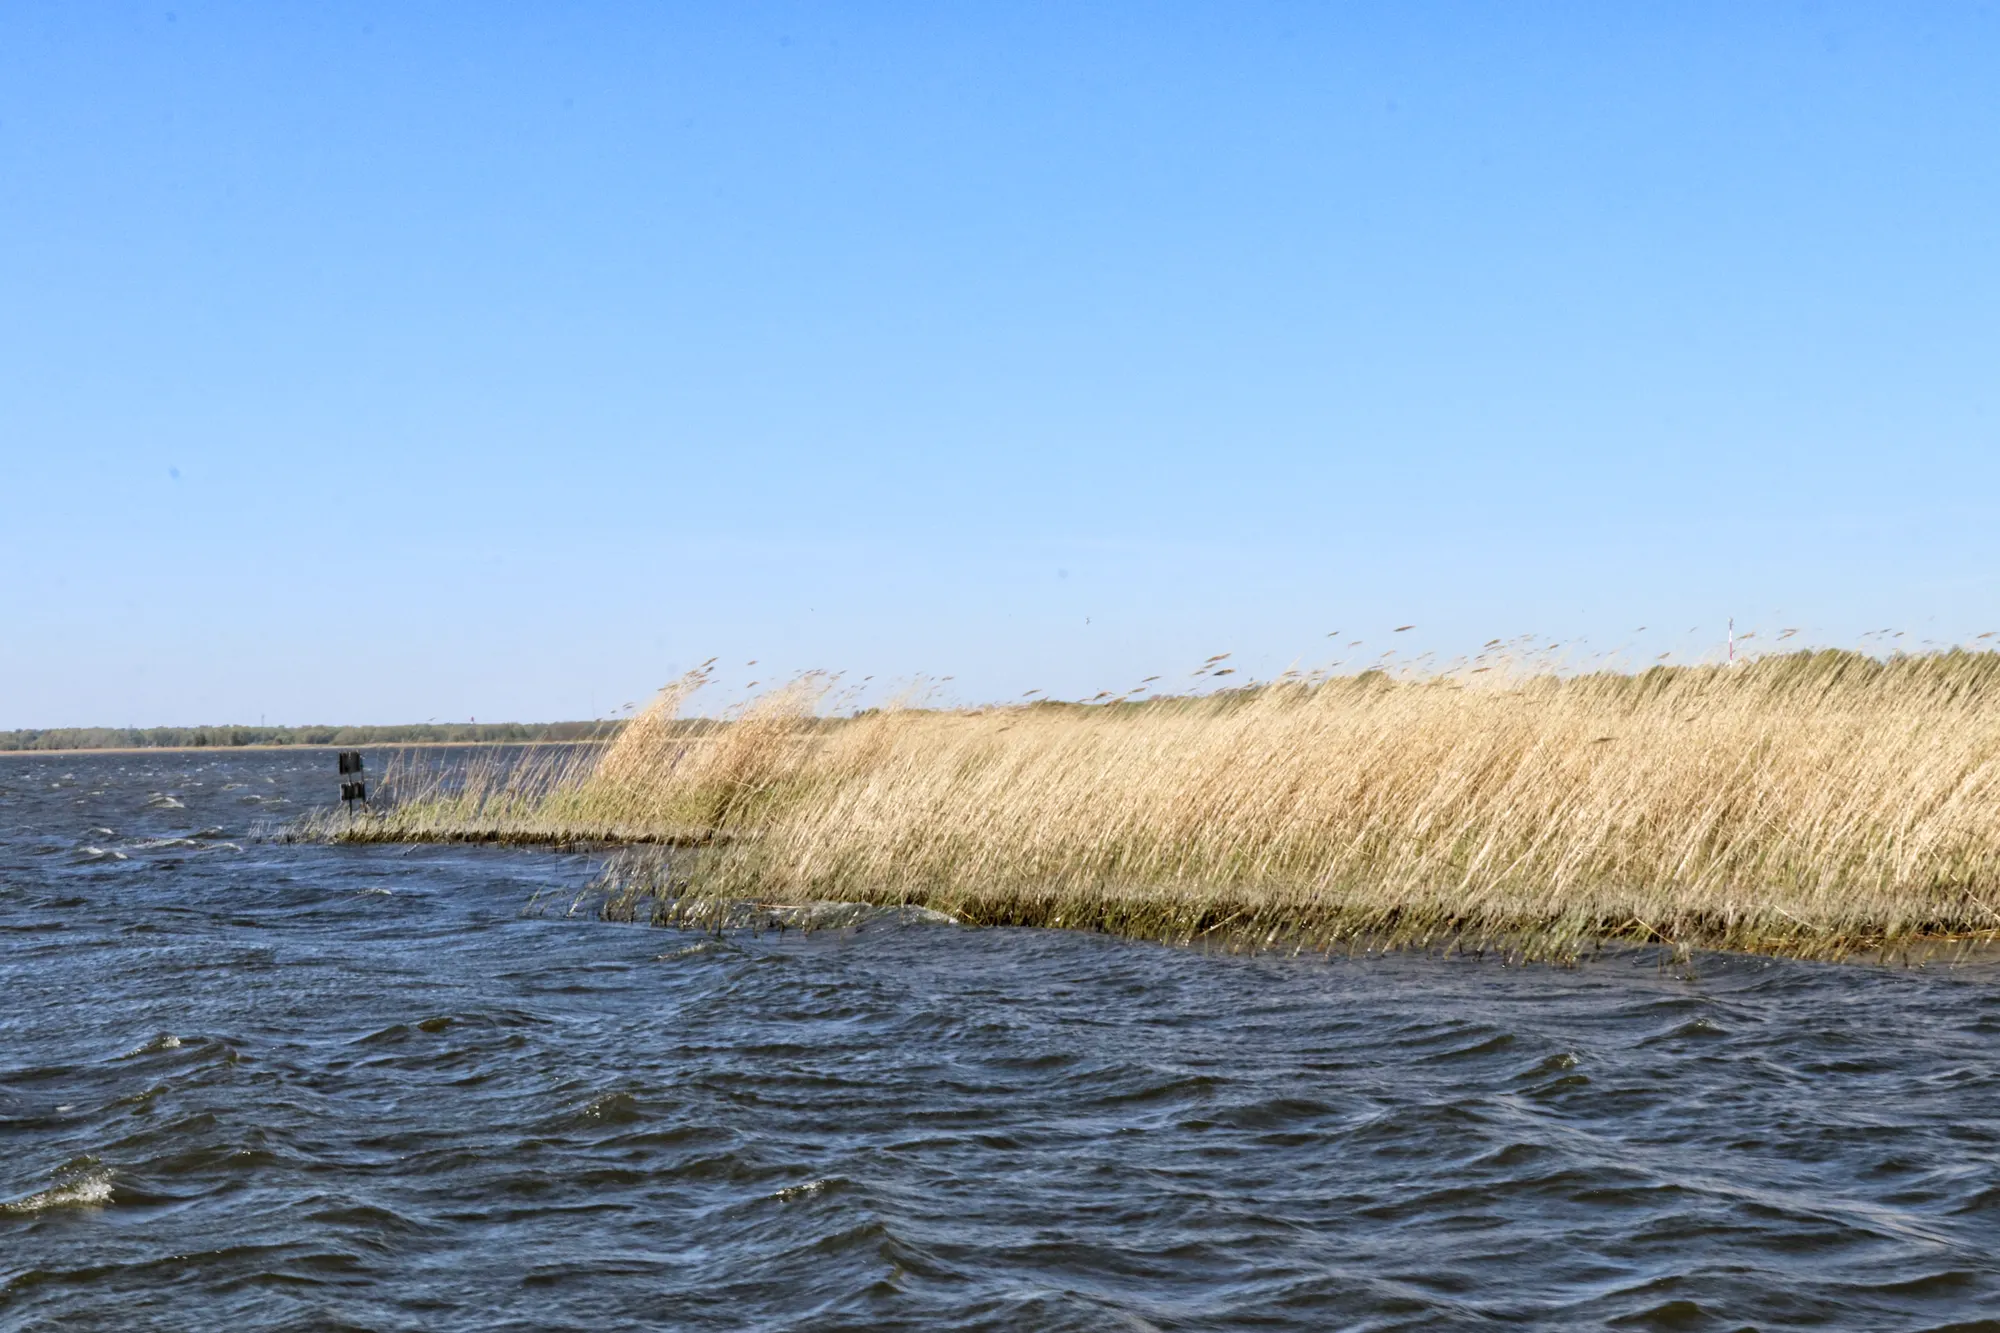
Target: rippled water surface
<point>266,1085</point>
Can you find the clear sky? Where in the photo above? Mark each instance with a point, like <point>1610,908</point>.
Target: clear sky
<point>382,362</point>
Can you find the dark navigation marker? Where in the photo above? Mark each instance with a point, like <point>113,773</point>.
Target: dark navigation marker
<point>357,790</point>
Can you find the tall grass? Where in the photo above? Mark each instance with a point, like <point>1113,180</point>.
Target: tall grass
<point>1812,803</point>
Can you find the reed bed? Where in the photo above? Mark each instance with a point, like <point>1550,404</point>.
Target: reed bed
<point>1815,804</point>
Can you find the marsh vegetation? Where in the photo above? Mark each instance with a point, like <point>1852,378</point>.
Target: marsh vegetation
<point>1811,803</point>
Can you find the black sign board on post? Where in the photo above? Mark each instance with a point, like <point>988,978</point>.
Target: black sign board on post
<point>356,790</point>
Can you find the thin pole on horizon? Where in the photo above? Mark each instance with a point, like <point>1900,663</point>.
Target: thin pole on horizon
<point>1732,640</point>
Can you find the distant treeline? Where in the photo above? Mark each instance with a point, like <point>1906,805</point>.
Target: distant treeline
<point>148,738</point>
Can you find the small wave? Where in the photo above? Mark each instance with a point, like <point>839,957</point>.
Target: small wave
<point>808,1190</point>
<point>1679,1313</point>
<point>693,950</point>
<point>166,1041</point>
<point>1492,1043</point>
<point>101,854</point>
<point>613,1108</point>
<point>85,1187</point>
<point>197,842</point>
<point>162,801</point>
<point>1702,1028</point>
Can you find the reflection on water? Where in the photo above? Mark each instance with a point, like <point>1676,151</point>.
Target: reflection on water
<point>356,1087</point>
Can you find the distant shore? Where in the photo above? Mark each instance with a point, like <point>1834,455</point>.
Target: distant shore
<point>229,736</point>
<point>302,745</point>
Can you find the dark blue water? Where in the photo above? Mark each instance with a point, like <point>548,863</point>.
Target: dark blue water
<point>252,1084</point>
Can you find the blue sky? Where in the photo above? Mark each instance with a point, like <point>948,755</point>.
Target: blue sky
<point>388,362</point>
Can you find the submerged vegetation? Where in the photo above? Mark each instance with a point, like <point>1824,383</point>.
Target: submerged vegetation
<point>1813,803</point>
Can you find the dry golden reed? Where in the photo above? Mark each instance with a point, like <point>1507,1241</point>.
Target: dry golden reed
<point>1811,803</point>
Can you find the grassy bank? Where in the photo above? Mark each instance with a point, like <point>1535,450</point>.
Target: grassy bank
<point>1814,804</point>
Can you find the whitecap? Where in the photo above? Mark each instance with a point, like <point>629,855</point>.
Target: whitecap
<point>805,1191</point>
<point>166,1041</point>
<point>162,801</point>
<point>87,1188</point>
<point>101,853</point>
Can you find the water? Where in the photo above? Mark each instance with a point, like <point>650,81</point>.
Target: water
<point>303,1087</point>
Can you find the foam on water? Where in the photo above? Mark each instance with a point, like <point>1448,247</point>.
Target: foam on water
<point>87,1188</point>
<point>166,1041</point>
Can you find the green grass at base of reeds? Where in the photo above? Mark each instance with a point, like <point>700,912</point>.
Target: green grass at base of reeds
<point>643,886</point>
